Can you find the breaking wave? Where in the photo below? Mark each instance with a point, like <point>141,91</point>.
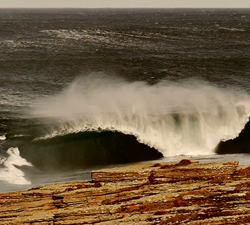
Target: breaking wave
<point>188,117</point>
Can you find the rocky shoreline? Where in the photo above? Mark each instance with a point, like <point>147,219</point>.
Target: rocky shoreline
<point>168,193</point>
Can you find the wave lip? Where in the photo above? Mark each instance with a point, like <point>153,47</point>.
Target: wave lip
<point>189,118</point>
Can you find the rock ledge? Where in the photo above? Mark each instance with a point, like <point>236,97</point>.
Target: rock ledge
<point>178,193</point>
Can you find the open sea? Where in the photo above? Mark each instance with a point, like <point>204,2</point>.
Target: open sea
<point>83,89</point>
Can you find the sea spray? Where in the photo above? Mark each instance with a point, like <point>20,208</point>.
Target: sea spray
<point>188,117</point>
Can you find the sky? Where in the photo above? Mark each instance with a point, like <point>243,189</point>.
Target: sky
<point>125,3</point>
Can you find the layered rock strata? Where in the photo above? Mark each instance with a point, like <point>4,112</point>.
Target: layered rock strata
<point>178,193</point>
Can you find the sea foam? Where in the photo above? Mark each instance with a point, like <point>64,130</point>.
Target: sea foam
<point>10,173</point>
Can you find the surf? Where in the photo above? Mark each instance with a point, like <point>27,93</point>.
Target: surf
<point>189,117</point>
<point>10,172</point>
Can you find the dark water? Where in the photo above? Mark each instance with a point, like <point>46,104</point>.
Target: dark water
<point>83,89</point>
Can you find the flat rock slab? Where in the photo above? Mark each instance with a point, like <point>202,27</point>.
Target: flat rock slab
<point>178,193</point>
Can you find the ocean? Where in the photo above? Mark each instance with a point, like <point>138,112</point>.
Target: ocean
<point>83,89</point>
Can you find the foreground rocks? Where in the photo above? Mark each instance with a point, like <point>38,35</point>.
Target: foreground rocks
<point>179,193</point>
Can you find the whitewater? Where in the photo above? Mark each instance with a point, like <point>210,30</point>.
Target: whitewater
<point>189,117</point>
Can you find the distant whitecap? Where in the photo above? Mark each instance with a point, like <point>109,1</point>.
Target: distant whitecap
<point>2,138</point>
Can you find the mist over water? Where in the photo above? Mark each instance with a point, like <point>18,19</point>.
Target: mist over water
<point>189,117</point>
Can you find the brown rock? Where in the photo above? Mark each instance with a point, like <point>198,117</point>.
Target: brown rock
<point>177,193</point>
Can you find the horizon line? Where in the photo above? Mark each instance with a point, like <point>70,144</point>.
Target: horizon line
<point>125,7</point>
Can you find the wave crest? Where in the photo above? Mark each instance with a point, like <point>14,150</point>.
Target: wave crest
<point>190,117</point>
